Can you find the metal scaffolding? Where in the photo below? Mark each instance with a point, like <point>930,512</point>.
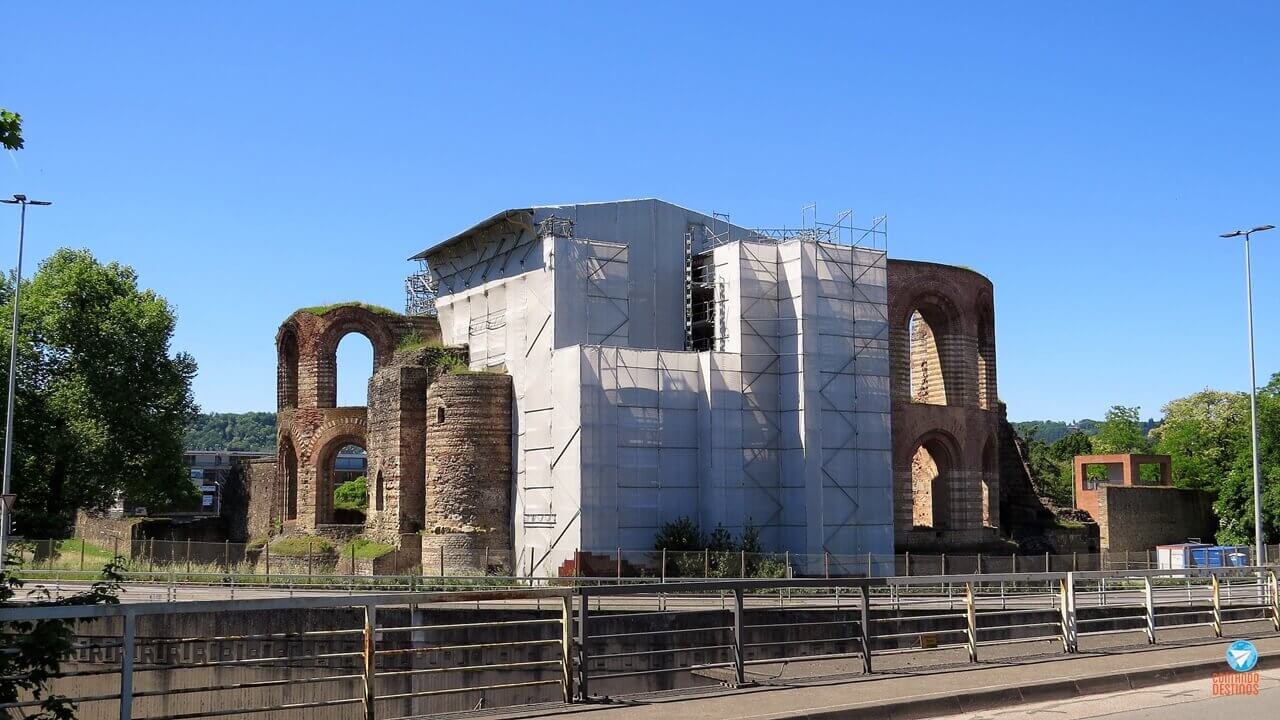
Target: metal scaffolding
<point>420,292</point>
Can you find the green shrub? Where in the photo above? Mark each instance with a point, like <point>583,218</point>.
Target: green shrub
<point>352,495</point>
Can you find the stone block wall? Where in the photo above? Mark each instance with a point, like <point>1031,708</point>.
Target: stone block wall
<point>397,451</point>
<point>1141,517</point>
<point>468,444</point>
<point>262,490</point>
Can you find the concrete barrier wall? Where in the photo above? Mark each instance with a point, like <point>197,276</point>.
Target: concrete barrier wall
<point>1141,517</point>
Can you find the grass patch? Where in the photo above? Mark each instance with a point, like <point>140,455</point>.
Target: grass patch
<point>301,546</point>
<point>365,549</point>
<point>322,309</point>
<point>413,340</point>
<point>1068,523</point>
<point>71,549</point>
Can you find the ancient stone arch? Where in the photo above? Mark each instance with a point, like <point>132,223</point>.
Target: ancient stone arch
<point>310,426</point>
<point>935,460</point>
<point>991,482</point>
<point>944,406</point>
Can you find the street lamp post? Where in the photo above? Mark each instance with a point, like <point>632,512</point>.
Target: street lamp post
<point>1261,558</point>
<point>6,496</point>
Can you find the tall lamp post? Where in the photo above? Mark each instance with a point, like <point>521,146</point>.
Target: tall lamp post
<point>6,496</point>
<point>1261,558</point>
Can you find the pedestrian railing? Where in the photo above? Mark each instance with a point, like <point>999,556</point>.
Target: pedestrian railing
<point>384,655</point>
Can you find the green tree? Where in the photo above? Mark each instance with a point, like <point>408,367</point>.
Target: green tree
<point>1121,432</point>
<point>102,404</point>
<point>10,130</point>
<point>1204,433</point>
<point>1234,505</point>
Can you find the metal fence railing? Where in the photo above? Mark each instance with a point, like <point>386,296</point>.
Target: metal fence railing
<point>410,654</point>
<point>325,562</point>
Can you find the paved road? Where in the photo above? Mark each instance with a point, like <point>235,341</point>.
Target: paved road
<point>1179,701</point>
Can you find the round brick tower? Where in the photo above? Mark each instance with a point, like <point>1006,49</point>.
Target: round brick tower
<point>468,504</point>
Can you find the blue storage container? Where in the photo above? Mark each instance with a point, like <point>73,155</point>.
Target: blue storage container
<point>1219,556</point>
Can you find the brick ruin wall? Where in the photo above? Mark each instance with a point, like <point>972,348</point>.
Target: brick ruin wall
<point>942,379</point>
<point>468,507</point>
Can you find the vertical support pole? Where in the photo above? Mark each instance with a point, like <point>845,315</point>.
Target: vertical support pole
<point>226,555</point>
<point>739,662</point>
<point>1075,562</point>
<point>584,614</point>
<point>566,646</point>
<point>865,631</point>
<point>944,563</point>
<point>353,561</point>
<point>267,550</point>
<point>664,564</point>
<point>1069,613</point>
<point>979,563</point>
<point>971,622</point>
<point>619,578</point>
<point>82,554</point>
<point>787,560</point>
<point>868,564</point>
<point>1047,567</point>
<point>1013,563</point>
<point>115,547</point>
<point>370,666</point>
<point>1275,600</point>
<point>126,665</point>
<point>441,555</point>
<point>1151,610</point>
<point>1217,604</point>
<point>706,563</point>
<point>826,564</point>
<point>742,564</point>
<point>188,556</point>
<point>906,564</point>
<point>309,557</point>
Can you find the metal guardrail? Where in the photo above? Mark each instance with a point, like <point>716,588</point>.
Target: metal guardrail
<point>379,654</point>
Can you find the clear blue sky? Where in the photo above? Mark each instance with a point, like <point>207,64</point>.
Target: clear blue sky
<point>251,158</point>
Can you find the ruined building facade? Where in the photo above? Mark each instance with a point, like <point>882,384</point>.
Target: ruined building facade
<point>629,363</point>
<point>945,415</point>
<point>424,430</point>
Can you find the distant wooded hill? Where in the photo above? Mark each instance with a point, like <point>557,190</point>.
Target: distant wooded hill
<point>256,431</point>
<point>252,431</point>
<point>1050,431</point>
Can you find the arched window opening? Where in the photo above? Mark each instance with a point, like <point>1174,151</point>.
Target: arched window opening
<point>440,415</point>
<point>990,485</point>
<point>931,480</point>
<point>986,362</point>
<point>351,358</point>
<point>290,460</point>
<point>287,370</point>
<point>345,478</point>
<point>928,380</point>
<point>378,493</point>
